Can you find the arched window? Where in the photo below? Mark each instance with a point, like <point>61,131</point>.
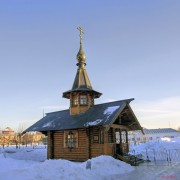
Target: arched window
<point>71,139</point>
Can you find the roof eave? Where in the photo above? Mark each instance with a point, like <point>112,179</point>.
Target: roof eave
<point>95,93</point>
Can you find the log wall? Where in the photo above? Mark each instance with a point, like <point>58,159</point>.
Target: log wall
<point>50,143</point>
<point>80,153</point>
<point>92,142</point>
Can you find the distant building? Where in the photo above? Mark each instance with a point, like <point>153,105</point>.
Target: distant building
<point>33,137</point>
<point>152,135</point>
<point>7,131</point>
<point>7,136</point>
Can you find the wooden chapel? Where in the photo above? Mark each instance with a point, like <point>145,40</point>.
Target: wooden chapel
<point>86,130</point>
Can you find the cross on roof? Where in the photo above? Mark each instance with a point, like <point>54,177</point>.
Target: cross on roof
<point>81,32</point>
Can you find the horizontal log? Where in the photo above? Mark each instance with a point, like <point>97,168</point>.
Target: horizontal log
<point>73,157</point>
<point>70,152</point>
<point>84,139</point>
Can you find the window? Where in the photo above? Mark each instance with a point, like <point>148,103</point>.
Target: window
<point>71,139</point>
<point>83,100</point>
<point>75,102</point>
<point>117,137</point>
<point>96,138</point>
<point>123,136</point>
<point>97,135</point>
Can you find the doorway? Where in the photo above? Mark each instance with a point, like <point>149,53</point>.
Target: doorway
<point>121,140</point>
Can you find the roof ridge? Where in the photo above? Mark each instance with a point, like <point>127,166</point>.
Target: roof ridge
<point>131,99</point>
<point>57,111</point>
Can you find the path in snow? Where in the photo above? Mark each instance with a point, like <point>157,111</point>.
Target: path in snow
<point>150,171</point>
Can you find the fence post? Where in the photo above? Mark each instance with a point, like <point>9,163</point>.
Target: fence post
<point>169,157</point>
<point>154,156</point>
<point>134,157</point>
<point>147,157</point>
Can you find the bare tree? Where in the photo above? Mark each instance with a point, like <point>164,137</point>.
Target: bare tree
<point>27,138</point>
<point>18,136</point>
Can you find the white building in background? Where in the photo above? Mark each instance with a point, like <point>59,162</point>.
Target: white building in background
<point>137,137</point>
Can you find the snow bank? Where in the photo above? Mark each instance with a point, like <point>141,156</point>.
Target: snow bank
<point>171,143</point>
<point>31,164</point>
<point>159,149</point>
<point>108,166</point>
<point>25,153</point>
<point>27,164</point>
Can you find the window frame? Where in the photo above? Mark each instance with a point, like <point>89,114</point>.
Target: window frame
<point>98,138</point>
<point>71,139</point>
<point>75,101</point>
<point>83,100</point>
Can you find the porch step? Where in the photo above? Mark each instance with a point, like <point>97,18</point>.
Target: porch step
<point>130,159</point>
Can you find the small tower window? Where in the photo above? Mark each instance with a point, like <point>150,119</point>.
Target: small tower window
<point>83,100</point>
<point>92,102</point>
<point>75,101</point>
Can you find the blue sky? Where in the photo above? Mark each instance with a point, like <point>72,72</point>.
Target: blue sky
<point>132,49</point>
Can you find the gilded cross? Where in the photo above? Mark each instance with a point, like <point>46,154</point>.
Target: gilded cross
<point>81,32</point>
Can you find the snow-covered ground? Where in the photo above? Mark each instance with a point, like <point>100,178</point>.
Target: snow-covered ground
<point>31,164</point>
<point>166,149</point>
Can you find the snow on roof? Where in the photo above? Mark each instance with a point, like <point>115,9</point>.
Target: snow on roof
<point>110,110</point>
<point>47,124</point>
<point>93,123</point>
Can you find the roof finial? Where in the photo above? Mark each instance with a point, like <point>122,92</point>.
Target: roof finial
<point>81,32</point>
<point>81,56</point>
